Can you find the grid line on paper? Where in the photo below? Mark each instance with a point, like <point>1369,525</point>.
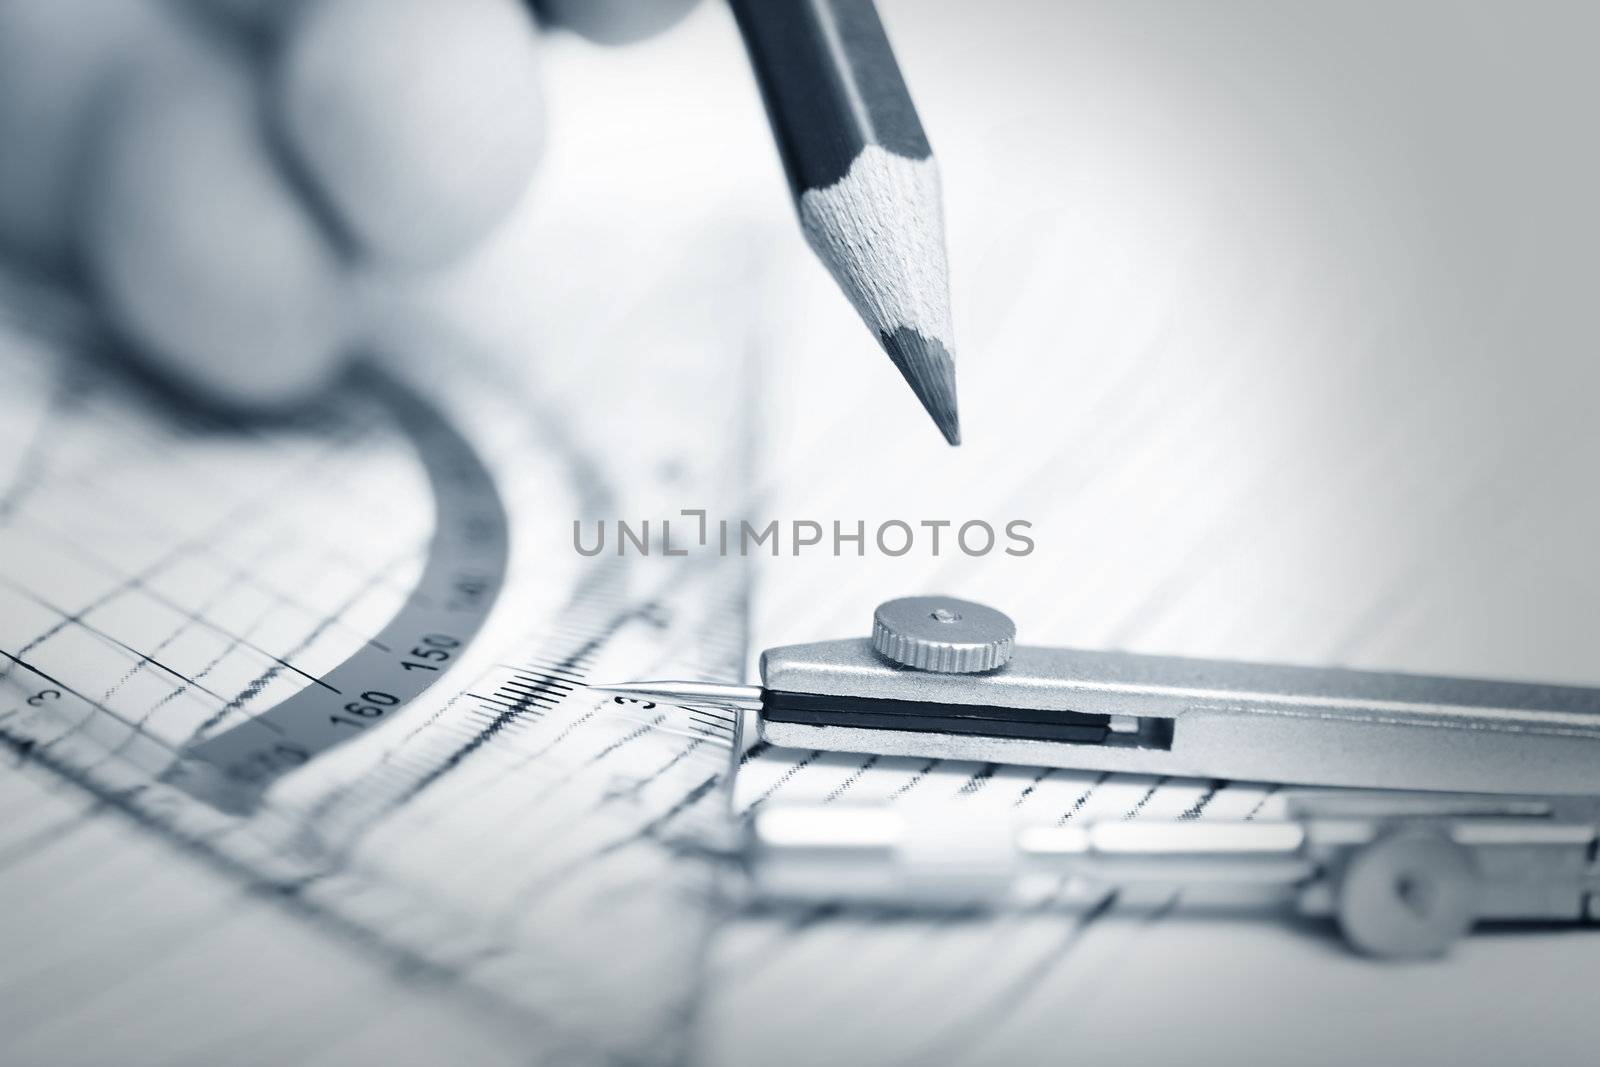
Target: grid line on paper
<point>1029,789</point>
<point>1139,805</point>
<point>256,686</point>
<point>783,779</point>
<point>1195,810</point>
<point>1083,798</point>
<point>843,787</point>
<point>197,616</point>
<point>96,482</point>
<point>1266,795</point>
<point>141,658</point>
<point>980,778</point>
<point>229,585</point>
<point>130,581</point>
<point>919,776</point>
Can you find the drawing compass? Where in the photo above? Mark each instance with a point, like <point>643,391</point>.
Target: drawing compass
<point>941,677</point>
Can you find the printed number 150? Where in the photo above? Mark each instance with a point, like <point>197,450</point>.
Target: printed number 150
<point>430,652</point>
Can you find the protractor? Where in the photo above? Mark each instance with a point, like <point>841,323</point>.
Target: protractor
<point>217,605</point>
<point>463,570</point>
<point>341,658</point>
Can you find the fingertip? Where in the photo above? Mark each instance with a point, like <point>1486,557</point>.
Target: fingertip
<point>419,122</point>
<point>615,21</point>
<point>201,254</point>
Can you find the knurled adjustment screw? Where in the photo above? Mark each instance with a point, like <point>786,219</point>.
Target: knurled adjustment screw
<point>943,634</point>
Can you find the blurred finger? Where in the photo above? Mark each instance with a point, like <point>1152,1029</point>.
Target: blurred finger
<point>54,57</point>
<point>200,250</point>
<point>615,21</point>
<point>420,122</point>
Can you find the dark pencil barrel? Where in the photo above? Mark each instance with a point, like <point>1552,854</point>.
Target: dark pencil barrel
<point>831,85</point>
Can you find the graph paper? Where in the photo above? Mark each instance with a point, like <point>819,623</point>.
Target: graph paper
<point>168,580</point>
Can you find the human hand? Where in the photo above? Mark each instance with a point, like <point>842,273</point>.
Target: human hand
<point>216,171</point>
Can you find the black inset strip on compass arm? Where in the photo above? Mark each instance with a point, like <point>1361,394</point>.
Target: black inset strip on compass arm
<point>812,709</point>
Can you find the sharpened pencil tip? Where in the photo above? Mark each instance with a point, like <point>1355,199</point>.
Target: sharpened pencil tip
<point>931,373</point>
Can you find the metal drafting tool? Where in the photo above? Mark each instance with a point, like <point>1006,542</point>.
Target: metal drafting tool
<point>1404,875</point>
<point>942,677</point>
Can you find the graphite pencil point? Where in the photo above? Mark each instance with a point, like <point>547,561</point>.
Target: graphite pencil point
<point>879,231</point>
<point>931,373</point>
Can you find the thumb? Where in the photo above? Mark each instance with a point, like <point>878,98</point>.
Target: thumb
<point>614,21</point>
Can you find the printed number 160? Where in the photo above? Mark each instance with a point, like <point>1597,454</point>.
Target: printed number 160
<point>372,705</point>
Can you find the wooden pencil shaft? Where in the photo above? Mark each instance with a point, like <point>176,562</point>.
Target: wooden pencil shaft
<point>831,85</point>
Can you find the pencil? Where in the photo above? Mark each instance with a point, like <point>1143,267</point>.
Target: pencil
<point>863,176</point>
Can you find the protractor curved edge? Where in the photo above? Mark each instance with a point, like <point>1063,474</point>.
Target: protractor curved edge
<point>460,581</point>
